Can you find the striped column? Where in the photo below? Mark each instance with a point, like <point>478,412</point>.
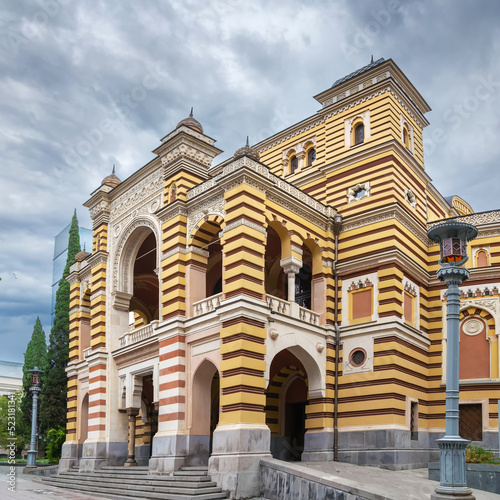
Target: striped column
<point>170,443</point>
<point>94,450</point>
<point>173,267</point>
<point>242,436</point>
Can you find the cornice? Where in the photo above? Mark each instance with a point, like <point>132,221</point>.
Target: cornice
<point>100,257</point>
<point>371,262</point>
<point>247,171</point>
<point>490,222</point>
<point>342,105</point>
<point>389,212</point>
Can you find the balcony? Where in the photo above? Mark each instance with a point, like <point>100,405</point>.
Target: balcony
<point>292,309</point>
<point>138,334</point>
<point>206,305</point>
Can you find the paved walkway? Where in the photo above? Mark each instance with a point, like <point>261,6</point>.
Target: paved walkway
<point>391,485</point>
<point>28,487</point>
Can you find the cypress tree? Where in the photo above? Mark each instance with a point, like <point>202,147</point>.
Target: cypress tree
<point>35,355</point>
<point>55,388</point>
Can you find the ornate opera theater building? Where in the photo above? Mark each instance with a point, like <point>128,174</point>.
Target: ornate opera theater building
<point>282,303</point>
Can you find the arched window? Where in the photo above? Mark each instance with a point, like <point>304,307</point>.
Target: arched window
<point>359,134</point>
<point>311,156</point>
<point>294,163</point>
<point>482,258</point>
<point>406,138</point>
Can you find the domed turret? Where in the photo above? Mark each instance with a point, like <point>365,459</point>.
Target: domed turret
<point>247,150</point>
<point>191,123</point>
<point>111,180</point>
<point>81,256</point>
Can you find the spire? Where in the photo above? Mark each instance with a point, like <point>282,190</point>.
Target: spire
<point>113,169</point>
<point>248,145</point>
<point>191,114</point>
<point>372,60</point>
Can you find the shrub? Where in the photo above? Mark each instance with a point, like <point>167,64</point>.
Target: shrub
<point>55,440</point>
<point>478,455</point>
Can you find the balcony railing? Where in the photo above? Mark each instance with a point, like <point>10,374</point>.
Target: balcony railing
<point>139,334</point>
<point>278,305</point>
<point>292,309</point>
<point>206,305</point>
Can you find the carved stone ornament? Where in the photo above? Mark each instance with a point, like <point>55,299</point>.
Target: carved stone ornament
<point>472,326</point>
<point>137,195</point>
<point>119,249</point>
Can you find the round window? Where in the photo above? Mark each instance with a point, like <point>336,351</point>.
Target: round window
<point>358,357</point>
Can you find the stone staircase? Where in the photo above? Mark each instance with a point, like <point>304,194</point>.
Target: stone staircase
<point>135,482</point>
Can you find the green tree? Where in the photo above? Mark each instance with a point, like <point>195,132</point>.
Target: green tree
<point>35,355</point>
<point>12,425</point>
<point>55,388</point>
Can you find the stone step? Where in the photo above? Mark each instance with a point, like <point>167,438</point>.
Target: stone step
<point>134,490</point>
<point>121,493</point>
<point>187,472</point>
<point>135,477</point>
<point>174,481</point>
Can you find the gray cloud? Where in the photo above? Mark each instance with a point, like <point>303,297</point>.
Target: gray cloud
<point>86,85</point>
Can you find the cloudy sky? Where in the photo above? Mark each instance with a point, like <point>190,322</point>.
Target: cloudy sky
<point>85,85</point>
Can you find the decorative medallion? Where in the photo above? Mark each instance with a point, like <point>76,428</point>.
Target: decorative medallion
<point>472,326</point>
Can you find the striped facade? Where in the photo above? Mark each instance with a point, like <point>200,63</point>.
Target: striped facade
<point>227,312</point>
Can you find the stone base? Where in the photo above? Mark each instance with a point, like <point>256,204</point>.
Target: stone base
<point>95,454</point>
<point>169,453</point>
<point>236,455</point>
<point>318,446</point>
<point>69,455</point>
<point>198,450</point>
<point>387,448</point>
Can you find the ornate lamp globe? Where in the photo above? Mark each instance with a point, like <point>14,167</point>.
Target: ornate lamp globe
<point>35,375</point>
<point>452,237</point>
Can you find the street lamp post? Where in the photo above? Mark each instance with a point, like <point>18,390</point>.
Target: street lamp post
<point>35,390</point>
<point>452,237</point>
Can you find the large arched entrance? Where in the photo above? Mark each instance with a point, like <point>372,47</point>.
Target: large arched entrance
<point>286,402</point>
<point>144,303</point>
<point>204,412</point>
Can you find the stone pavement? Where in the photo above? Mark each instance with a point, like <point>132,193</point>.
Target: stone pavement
<point>28,487</point>
<point>378,483</point>
<point>381,483</point>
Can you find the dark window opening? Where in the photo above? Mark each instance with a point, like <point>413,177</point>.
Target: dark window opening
<point>294,163</point>
<point>414,421</point>
<point>358,357</point>
<point>311,156</point>
<point>359,134</point>
<point>471,422</point>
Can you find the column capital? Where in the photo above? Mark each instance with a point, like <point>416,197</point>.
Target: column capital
<point>291,265</point>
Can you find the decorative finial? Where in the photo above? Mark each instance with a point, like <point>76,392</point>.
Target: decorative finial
<point>248,145</point>
<point>84,246</point>
<point>191,114</point>
<point>372,59</point>
<point>113,169</point>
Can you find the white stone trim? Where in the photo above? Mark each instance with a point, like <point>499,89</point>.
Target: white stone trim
<point>410,131</point>
<point>365,116</point>
<point>351,192</point>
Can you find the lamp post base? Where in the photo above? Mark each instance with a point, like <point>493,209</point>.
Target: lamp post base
<point>31,462</point>
<point>453,494</point>
<point>452,469</point>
